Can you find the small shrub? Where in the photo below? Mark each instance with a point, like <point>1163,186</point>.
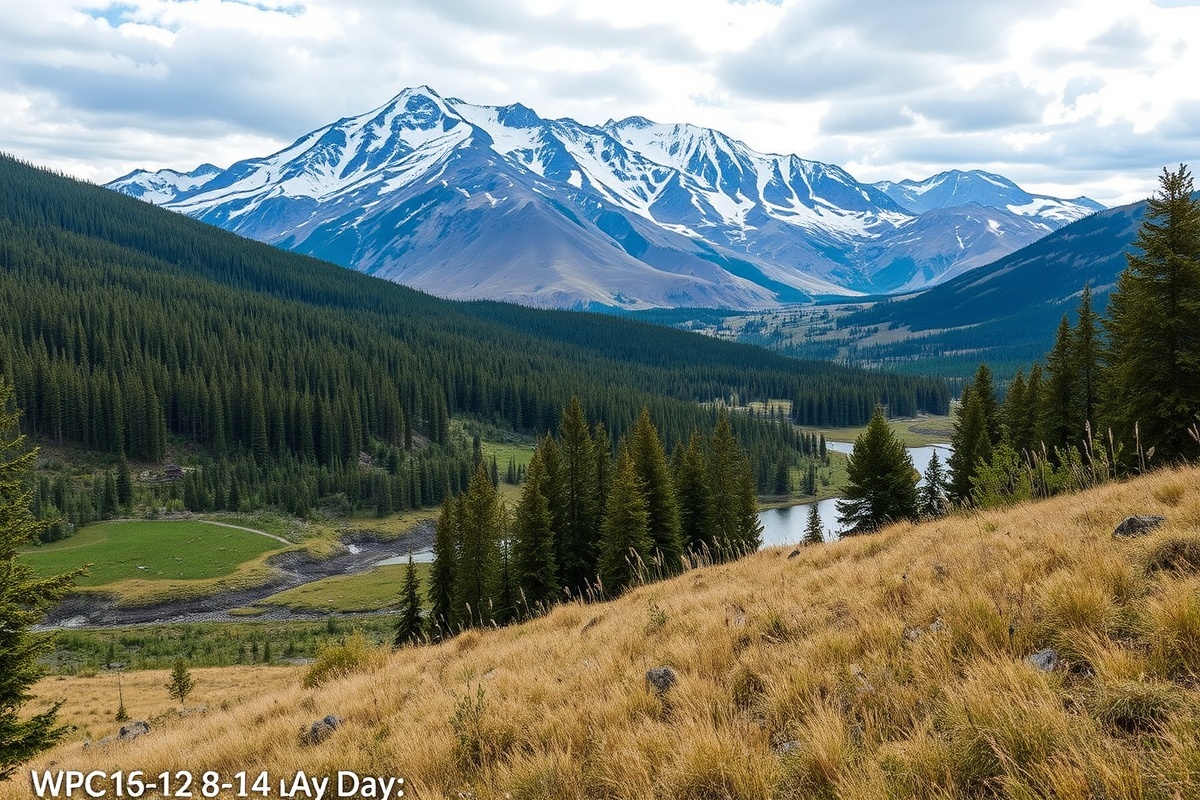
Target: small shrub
<point>1177,554</point>
<point>655,617</point>
<point>476,741</point>
<point>355,653</point>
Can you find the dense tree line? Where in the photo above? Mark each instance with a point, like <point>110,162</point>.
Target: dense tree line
<point>1116,394</point>
<point>589,525</point>
<point>131,330</point>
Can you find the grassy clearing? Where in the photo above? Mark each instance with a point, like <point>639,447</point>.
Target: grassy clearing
<point>503,451</point>
<point>151,551</point>
<point>923,430</point>
<point>376,590</point>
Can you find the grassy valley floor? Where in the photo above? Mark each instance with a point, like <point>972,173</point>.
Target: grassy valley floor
<point>889,666</point>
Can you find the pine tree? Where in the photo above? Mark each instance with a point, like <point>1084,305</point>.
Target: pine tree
<point>124,485</point>
<point>971,446</point>
<point>443,572</point>
<point>1015,426</point>
<point>662,506</point>
<point>181,683</point>
<point>697,515</point>
<point>479,524</point>
<point>813,531</point>
<point>734,498</point>
<point>625,542</point>
<point>535,573</point>
<point>582,513</point>
<point>985,391</point>
<point>23,598</point>
<point>882,484</point>
<point>1088,351</point>
<point>1153,326</point>
<point>1060,422</point>
<point>931,497</point>
<point>410,627</point>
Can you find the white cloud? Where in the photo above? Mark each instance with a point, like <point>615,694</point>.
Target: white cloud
<point>1090,97</point>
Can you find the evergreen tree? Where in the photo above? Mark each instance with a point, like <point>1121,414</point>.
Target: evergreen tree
<point>444,572</point>
<point>985,391</point>
<point>410,627</point>
<point>1088,351</point>
<point>582,512</point>
<point>1061,424</point>
<point>931,497</point>
<point>535,573</point>
<point>813,532</point>
<point>625,542</point>
<point>697,515</point>
<point>1031,409</point>
<point>504,594</point>
<point>1016,428</point>
<point>479,525</point>
<point>662,506</point>
<point>24,597</point>
<point>971,446</point>
<point>181,683</point>
<point>124,485</point>
<point>734,498</point>
<point>882,483</point>
<point>1154,326</point>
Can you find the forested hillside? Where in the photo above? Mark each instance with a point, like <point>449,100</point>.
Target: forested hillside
<point>124,328</point>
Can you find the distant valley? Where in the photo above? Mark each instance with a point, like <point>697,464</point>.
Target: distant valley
<point>482,202</point>
<point>1004,313</point>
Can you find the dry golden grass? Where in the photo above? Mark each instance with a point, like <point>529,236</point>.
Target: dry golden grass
<point>92,701</point>
<point>890,666</point>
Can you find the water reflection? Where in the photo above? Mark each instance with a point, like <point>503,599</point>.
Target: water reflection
<point>783,526</point>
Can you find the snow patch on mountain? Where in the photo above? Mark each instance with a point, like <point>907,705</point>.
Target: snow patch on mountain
<point>477,201</point>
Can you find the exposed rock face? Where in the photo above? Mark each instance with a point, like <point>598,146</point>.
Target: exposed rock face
<point>1130,527</point>
<point>661,679</point>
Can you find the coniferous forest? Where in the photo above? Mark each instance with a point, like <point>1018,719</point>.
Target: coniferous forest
<point>1117,395</point>
<point>133,331</point>
<point>588,525</point>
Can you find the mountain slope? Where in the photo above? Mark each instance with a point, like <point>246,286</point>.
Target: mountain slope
<point>1004,313</point>
<point>122,324</point>
<point>493,202</point>
<point>893,665</point>
<point>956,188</point>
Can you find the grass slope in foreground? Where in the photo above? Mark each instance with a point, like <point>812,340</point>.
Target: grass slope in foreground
<point>889,666</point>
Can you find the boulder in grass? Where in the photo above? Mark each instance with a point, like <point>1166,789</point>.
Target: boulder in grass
<point>661,679</point>
<point>1131,527</point>
<point>320,730</point>
<point>1045,660</point>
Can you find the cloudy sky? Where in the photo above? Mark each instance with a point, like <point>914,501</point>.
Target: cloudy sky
<point>1066,97</point>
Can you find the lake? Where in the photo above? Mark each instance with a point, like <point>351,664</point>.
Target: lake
<point>782,526</point>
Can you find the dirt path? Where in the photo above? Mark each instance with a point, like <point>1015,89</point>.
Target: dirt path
<point>251,530</point>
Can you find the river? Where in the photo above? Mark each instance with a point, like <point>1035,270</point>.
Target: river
<point>782,526</point>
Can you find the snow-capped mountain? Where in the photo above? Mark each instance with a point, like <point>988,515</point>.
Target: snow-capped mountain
<point>472,201</point>
<point>956,188</point>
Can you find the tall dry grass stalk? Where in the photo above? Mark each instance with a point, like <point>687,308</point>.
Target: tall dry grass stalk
<point>888,666</point>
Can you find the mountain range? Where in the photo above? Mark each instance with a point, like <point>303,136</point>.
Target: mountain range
<point>474,201</point>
